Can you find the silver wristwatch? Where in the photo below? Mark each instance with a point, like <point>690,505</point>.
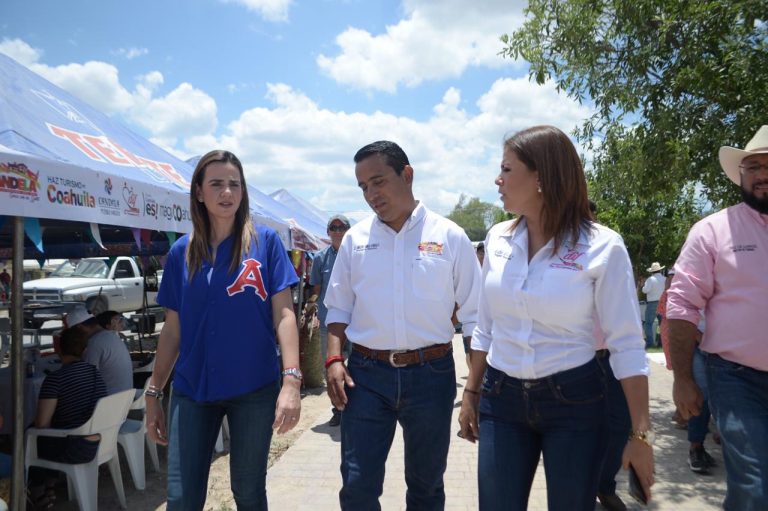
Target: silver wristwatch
<point>293,371</point>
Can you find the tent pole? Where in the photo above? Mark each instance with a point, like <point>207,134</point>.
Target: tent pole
<point>18,499</point>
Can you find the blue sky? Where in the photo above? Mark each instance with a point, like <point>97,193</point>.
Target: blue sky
<point>295,87</point>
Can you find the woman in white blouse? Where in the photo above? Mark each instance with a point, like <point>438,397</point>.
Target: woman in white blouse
<point>534,385</point>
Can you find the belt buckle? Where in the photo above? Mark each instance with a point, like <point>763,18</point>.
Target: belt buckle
<point>392,354</point>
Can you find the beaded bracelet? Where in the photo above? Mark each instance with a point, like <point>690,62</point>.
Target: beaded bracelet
<point>332,360</point>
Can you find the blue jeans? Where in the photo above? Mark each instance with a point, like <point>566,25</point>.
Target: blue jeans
<point>619,427</point>
<point>562,416</point>
<point>650,315</point>
<point>194,427</point>
<point>698,425</point>
<point>420,397</point>
<point>738,397</point>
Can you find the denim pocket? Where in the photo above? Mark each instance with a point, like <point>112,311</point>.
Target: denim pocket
<point>358,361</point>
<point>442,365</point>
<point>583,391</point>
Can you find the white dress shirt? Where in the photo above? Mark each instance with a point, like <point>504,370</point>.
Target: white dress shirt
<point>654,287</point>
<point>538,318</point>
<point>396,290</point>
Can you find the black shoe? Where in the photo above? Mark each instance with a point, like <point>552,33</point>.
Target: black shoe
<point>709,459</point>
<point>698,461</point>
<point>336,419</point>
<point>611,502</point>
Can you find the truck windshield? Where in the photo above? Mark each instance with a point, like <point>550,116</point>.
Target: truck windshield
<point>65,269</point>
<point>94,268</point>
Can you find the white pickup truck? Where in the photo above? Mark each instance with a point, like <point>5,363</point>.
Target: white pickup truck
<point>99,282</point>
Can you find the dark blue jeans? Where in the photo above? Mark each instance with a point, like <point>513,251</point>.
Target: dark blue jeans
<point>194,427</point>
<point>698,425</point>
<point>738,398</point>
<point>650,315</point>
<point>619,427</point>
<point>420,397</point>
<point>562,416</point>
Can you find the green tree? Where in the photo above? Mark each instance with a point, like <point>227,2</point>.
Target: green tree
<point>475,216</point>
<point>671,81</point>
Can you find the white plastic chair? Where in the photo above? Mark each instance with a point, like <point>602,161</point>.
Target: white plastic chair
<point>109,414</point>
<point>133,436</point>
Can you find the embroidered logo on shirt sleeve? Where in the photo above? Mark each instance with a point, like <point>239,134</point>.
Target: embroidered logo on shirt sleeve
<point>431,248</point>
<point>249,276</point>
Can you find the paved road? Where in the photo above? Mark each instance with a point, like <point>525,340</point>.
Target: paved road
<point>307,476</point>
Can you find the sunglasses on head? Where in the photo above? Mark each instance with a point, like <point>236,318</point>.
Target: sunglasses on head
<point>337,228</point>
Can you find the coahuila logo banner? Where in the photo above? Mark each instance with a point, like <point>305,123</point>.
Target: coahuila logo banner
<point>19,181</point>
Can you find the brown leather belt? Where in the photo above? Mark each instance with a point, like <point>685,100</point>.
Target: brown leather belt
<point>402,358</point>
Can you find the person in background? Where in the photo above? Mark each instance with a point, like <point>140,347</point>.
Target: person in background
<point>5,284</point>
<point>67,399</point>
<point>226,290</point>
<point>480,251</point>
<point>106,351</point>
<point>653,287</point>
<point>535,386</point>
<point>661,312</point>
<point>111,320</point>
<point>396,281</point>
<point>721,270</point>
<point>322,265</point>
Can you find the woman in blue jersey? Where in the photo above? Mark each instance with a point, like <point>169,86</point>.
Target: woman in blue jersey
<point>535,386</point>
<point>226,291</point>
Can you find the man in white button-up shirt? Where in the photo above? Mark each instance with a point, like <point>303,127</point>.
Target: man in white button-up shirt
<point>393,288</point>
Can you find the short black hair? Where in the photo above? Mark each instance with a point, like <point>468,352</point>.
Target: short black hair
<point>73,342</point>
<point>106,317</point>
<point>393,154</point>
<point>480,247</point>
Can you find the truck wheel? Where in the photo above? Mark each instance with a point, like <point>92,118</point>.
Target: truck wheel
<point>97,305</point>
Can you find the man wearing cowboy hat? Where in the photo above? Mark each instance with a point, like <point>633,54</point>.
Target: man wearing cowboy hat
<point>721,269</point>
<point>653,287</point>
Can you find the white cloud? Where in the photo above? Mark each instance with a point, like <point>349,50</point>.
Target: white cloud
<point>183,112</point>
<point>297,145</point>
<point>437,39</point>
<point>131,53</point>
<point>20,51</point>
<point>270,10</point>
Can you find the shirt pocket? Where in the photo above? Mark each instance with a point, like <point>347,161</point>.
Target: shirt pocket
<point>432,278</point>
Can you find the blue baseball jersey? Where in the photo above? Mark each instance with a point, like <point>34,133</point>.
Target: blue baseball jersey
<point>228,344</point>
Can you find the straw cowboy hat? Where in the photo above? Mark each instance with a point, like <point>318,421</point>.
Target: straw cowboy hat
<point>730,157</point>
<point>655,267</point>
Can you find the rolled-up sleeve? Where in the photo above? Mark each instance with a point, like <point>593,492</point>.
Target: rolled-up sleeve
<point>619,313</point>
<point>693,283</point>
<point>466,284</point>
<point>340,298</point>
<point>481,335</point>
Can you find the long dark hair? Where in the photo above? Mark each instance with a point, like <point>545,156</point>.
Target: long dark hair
<point>565,210</point>
<point>198,249</point>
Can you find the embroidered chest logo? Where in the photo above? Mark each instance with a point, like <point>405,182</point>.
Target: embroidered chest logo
<point>249,276</point>
<point>363,248</point>
<point>744,248</point>
<point>568,261</point>
<point>431,248</point>
<point>504,254</point>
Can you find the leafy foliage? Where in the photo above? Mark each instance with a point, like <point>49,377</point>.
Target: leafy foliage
<point>672,81</point>
<point>475,216</point>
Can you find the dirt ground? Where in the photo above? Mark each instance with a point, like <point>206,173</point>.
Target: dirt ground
<point>314,403</point>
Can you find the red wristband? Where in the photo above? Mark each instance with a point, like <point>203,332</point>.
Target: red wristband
<point>333,359</point>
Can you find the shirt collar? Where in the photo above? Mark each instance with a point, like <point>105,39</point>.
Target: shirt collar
<point>417,215</point>
<point>759,217</point>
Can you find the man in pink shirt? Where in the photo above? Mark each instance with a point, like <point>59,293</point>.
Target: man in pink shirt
<point>722,270</point>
